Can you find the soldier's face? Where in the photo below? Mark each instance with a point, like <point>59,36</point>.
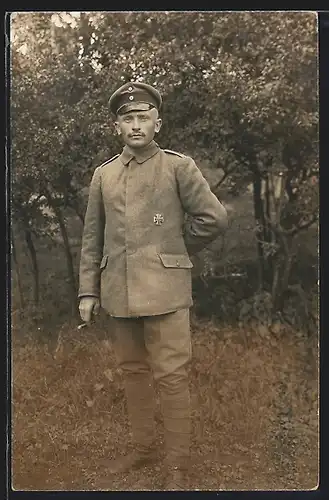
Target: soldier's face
<point>137,128</point>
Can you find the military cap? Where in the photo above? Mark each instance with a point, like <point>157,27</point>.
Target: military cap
<point>124,98</point>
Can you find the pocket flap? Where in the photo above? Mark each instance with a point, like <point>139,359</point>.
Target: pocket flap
<point>176,260</point>
<point>103,262</point>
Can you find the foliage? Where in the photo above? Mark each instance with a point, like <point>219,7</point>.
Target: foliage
<point>240,90</point>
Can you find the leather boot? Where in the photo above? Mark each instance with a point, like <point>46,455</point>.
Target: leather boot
<point>177,434</point>
<point>140,396</point>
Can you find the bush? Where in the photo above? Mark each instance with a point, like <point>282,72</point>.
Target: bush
<point>233,298</point>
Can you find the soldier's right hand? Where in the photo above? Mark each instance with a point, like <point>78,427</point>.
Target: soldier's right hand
<point>88,307</point>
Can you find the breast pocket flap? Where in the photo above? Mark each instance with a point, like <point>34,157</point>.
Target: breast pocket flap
<point>176,260</point>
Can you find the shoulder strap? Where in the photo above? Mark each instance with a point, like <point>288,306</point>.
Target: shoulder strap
<point>113,158</point>
<point>109,161</point>
<point>169,151</point>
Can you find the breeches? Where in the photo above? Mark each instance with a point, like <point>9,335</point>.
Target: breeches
<point>161,344</point>
<point>158,346</point>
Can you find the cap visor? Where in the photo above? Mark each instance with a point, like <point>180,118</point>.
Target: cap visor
<point>136,106</point>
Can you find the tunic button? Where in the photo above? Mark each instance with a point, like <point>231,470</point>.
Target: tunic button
<point>177,264</point>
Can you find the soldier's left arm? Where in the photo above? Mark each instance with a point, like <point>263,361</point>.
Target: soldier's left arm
<point>207,216</point>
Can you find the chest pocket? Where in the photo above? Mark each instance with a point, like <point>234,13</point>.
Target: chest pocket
<point>176,260</point>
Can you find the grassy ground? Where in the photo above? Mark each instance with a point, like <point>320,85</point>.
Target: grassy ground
<point>255,412</point>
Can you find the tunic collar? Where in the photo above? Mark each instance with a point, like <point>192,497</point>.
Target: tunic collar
<point>141,155</point>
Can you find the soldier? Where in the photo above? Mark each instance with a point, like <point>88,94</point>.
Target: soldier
<point>135,259</point>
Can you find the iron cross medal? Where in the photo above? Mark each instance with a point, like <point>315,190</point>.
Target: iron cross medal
<point>158,219</point>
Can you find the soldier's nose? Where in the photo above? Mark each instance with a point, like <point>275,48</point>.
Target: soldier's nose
<point>135,125</point>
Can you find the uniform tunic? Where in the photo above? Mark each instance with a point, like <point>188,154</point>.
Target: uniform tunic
<point>136,240</point>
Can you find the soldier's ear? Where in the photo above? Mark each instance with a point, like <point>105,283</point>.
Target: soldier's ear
<point>117,128</point>
<point>158,124</point>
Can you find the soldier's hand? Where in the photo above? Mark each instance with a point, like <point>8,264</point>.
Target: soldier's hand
<point>88,307</point>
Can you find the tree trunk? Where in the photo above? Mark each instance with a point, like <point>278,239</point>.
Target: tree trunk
<point>286,269</point>
<point>34,262</point>
<point>278,259</point>
<point>282,269</point>
<point>68,253</point>
<point>78,212</point>
<point>259,217</point>
<point>75,203</point>
<point>69,259</point>
<point>275,281</point>
<point>17,271</point>
<point>268,235</point>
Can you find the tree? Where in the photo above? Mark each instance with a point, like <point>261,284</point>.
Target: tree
<point>239,89</point>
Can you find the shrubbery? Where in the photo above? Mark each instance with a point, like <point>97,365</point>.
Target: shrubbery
<point>240,93</point>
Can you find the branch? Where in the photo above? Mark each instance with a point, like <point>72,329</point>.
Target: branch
<point>306,225</point>
<point>226,174</point>
<point>278,229</point>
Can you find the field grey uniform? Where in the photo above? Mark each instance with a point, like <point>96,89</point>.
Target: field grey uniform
<point>136,257</point>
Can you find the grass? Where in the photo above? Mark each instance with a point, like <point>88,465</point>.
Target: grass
<point>255,407</point>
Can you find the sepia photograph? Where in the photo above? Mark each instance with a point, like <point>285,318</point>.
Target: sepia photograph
<point>164,250</point>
